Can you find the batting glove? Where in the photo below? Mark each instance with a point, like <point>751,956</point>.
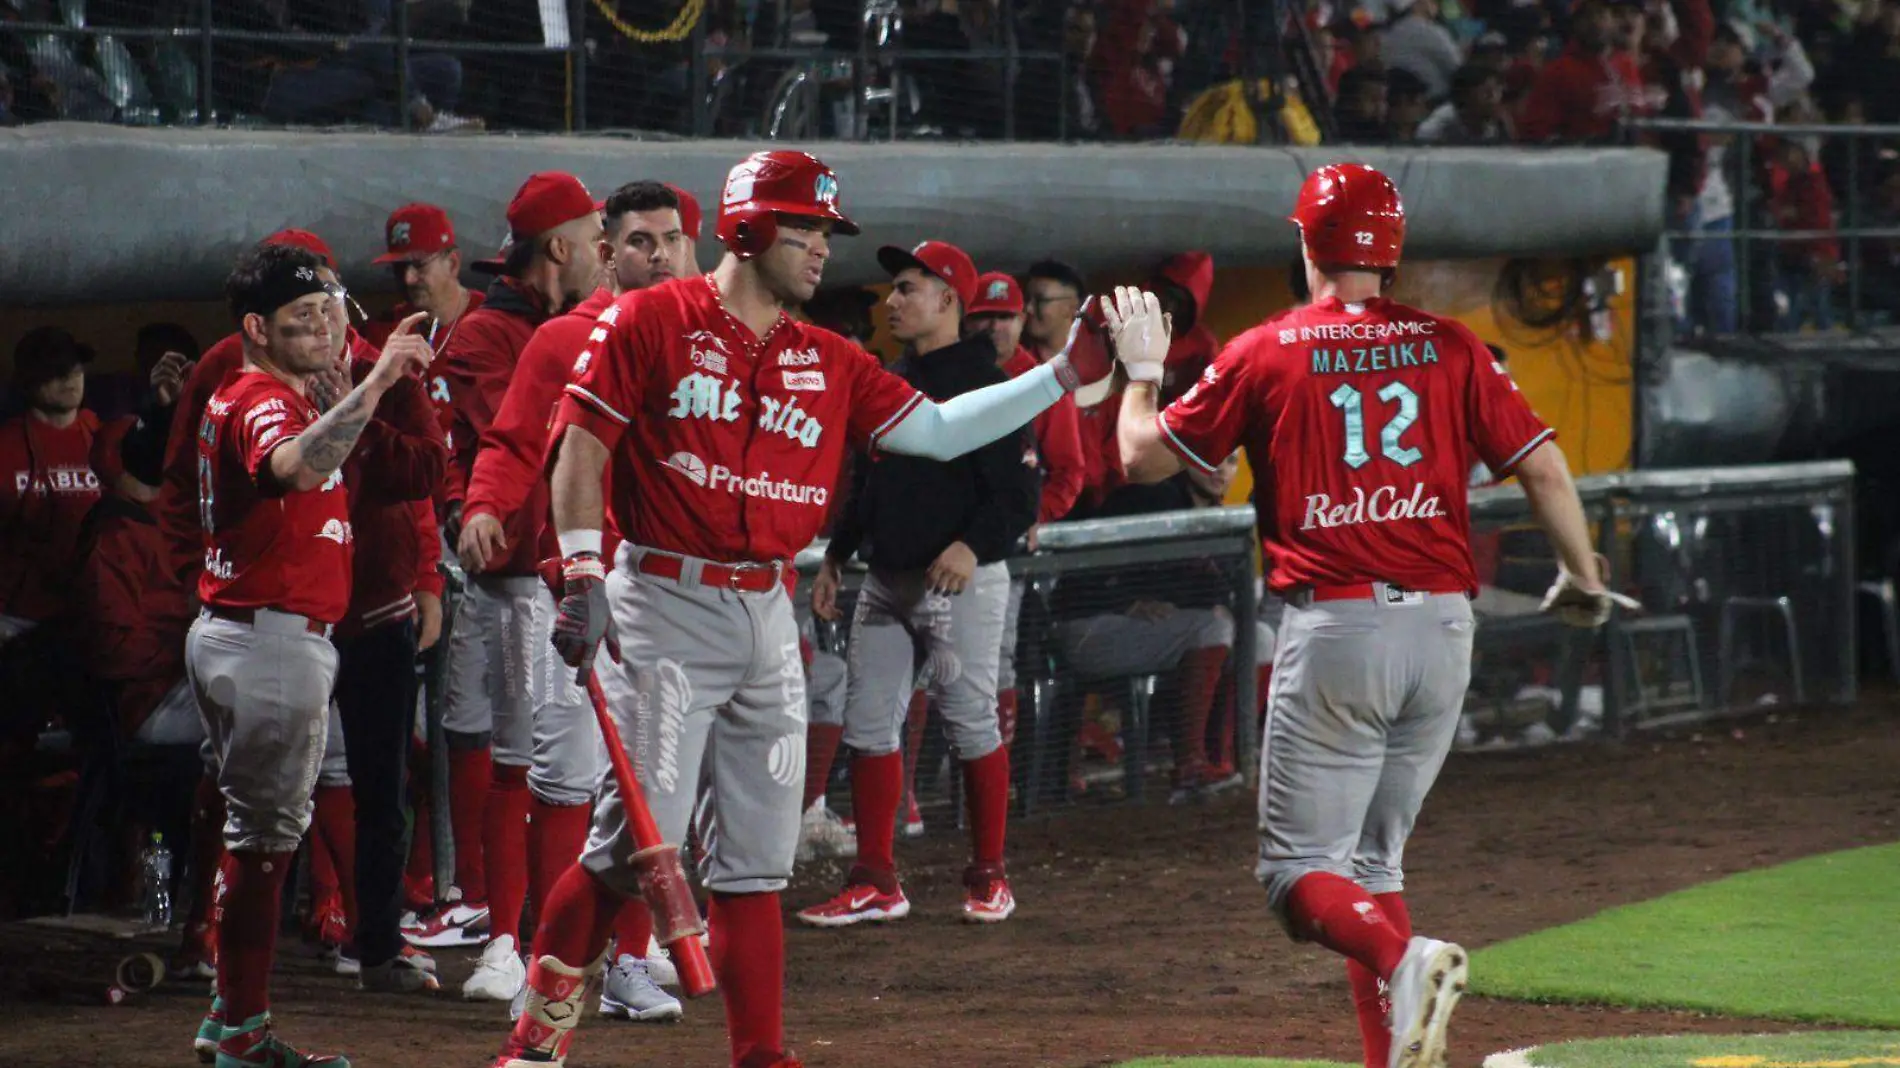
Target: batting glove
<point>1577,607</point>
<point>1140,331</point>
<point>584,620</point>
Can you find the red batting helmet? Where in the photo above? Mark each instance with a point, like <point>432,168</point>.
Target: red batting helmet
<point>766,185</point>
<point>1350,216</point>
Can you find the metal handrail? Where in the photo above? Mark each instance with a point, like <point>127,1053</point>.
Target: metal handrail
<point>1794,129</point>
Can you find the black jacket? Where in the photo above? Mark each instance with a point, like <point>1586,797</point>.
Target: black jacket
<point>905,510</point>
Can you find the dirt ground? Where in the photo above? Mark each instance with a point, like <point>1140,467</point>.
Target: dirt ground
<point>1141,930</point>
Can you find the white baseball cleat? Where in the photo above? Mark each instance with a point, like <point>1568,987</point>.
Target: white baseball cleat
<point>499,975</point>
<point>631,994</point>
<point>1425,988</point>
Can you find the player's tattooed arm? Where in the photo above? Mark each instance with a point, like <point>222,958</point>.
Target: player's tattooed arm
<point>314,455</point>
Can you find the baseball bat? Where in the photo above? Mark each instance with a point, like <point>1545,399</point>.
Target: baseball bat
<point>696,974</point>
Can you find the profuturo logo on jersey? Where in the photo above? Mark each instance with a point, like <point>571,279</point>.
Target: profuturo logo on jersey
<point>336,530</point>
<point>689,465</point>
<point>765,487</point>
<point>1383,505</point>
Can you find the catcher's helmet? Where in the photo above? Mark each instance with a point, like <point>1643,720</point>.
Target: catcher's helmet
<point>1350,216</point>
<point>767,184</point>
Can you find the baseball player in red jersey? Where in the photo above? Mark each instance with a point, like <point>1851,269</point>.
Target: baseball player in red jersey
<point>692,220</point>
<point>643,245</point>
<point>494,654</point>
<point>1359,416</point>
<point>277,553</point>
<point>423,256</point>
<point>725,422</point>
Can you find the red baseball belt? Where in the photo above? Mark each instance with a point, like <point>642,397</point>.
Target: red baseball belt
<point>1366,591</point>
<point>248,617</point>
<point>746,578</point>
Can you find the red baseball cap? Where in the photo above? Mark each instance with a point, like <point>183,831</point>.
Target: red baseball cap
<point>304,239</point>
<point>939,259</point>
<point>545,201</point>
<point>691,218</point>
<point>416,231</point>
<point>996,294</point>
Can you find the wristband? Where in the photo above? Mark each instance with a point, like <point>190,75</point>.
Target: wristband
<point>575,542</point>
<point>1065,372</point>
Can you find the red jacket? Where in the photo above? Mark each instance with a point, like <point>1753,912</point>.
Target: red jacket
<point>133,610</point>
<point>391,476</point>
<point>1801,200</point>
<point>46,489</point>
<point>471,380</point>
<point>1058,445</point>
<point>1582,97</point>
<point>1194,346</point>
<point>507,481</point>
<point>1126,62</point>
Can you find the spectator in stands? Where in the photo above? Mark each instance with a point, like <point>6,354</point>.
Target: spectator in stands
<point>1407,103</point>
<point>1417,43</point>
<point>46,480</point>
<point>1808,270</point>
<point>1170,620</point>
<point>1475,113</point>
<point>1880,257</point>
<point>423,255</point>
<point>1360,111</point>
<point>1356,46</point>
<point>1131,64</point>
<point>1871,60</point>
<point>1587,91</point>
<point>355,82</point>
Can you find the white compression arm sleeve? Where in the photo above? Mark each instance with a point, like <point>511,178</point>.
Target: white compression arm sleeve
<point>974,419</point>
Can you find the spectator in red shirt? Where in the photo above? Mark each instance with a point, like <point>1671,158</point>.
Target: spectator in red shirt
<point>1809,270</point>
<point>46,481</point>
<point>1584,93</point>
<point>1131,63</point>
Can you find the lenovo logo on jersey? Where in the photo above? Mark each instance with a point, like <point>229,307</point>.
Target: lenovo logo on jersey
<point>805,380</point>
<point>765,487</point>
<point>787,418</point>
<point>702,396</point>
<point>335,530</point>
<point>689,465</point>
<point>1384,505</point>
<point>799,358</point>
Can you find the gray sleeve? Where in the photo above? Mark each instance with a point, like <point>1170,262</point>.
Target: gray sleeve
<point>974,419</point>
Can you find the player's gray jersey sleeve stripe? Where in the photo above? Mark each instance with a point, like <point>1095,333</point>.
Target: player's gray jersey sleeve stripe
<point>605,408</point>
<point>1525,451</point>
<point>1180,446</point>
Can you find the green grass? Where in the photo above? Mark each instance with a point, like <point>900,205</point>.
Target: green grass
<point>1814,940</point>
<point>1824,1049</point>
<point>1228,1062</point>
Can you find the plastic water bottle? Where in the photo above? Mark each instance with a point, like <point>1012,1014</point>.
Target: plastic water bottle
<point>156,893</point>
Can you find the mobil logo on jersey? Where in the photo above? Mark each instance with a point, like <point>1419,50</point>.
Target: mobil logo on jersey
<point>1387,504</point>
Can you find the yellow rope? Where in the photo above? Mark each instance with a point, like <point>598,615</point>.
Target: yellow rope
<point>681,26</point>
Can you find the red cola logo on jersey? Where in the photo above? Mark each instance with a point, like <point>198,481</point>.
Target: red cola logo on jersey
<point>1383,505</point>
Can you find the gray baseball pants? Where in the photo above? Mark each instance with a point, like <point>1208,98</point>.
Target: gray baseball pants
<point>900,628</point>
<point>1362,711</point>
<point>264,691</point>
<point>709,696</point>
